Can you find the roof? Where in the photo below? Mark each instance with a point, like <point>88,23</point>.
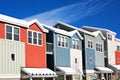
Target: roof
<point>95,33</point>
<point>116,67</point>
<point>63,32</point>
<point>107,30</point>
<point>104,69</point>
<point>117,39</point>
<point>39,72</point>
<point>68,70</point>
<point>20,22</point>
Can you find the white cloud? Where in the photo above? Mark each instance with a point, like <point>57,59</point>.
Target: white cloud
<point>71,13</point>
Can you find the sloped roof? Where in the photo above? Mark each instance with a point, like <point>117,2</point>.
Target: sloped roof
<point>63,32</point>
<point>95,33</point>
<point>20,22</point>
<point>107,30</point>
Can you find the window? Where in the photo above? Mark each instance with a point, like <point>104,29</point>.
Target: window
<point>90,44</point>
<point>109,37</point>
<point>99,47</point>
<point>39,39</point>
<point>12,33</point>
<point>34,37</point>
<point>75,43</point>
<point>118,48</point>
<point>75,60</point>
<point>91,60</point>
<point>29,36</point>
<point>13,57</point>
<point>62,41</point>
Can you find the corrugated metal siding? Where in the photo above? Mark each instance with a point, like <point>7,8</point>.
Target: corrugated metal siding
<point>62,55</point>
<point>7,47</point>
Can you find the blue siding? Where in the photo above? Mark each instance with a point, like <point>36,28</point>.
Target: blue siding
<point>90,53</point>
<point>76,37</point>
<point>62,55</point>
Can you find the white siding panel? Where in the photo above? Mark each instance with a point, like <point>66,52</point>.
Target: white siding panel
<point>7,47</point>
<point>74,53</point>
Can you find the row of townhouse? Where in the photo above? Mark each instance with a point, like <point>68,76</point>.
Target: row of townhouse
<point>30,50</point>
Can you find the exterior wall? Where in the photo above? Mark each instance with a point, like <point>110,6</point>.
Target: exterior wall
<point>99,56</point>
<point>117,53</point>
<point>117,57</point>
<point>2,30</point>
<point>62,55</point>
<point>7,66</point>
<point>90,54</point>
<point>111,49</point>
<point>36,55</point>
<point>9,79</point>
<point>76,54</point>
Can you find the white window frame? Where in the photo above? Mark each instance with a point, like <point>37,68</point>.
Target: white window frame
<point>91,44</point>
<point>109,37</point>
<point>100,47</point>
<point>12,32</point>
<point>75,43</point>
<point>118,48</point>
<point>32,43</point>
<point>64,41</point>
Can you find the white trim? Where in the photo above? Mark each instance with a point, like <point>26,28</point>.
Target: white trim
<point>100,47</point>
<point>90,44</point>
<point>37,37</point>
<point>63,41</point>
<point>12,32</point>
<point>9,75</point>
<point>75,44</point>
<point>21,23</point>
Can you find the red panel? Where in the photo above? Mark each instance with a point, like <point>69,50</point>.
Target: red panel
<point>2,30</point>
<point>36,55</point>
<point>117,57</point>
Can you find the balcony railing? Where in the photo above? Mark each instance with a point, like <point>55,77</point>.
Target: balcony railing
<point>49,47</point>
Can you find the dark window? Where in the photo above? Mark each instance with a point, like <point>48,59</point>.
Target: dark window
<point>29,37</point>
<point>9,32</point>
<point>39,39</point>
<point>16,34</point>
<point>109,37</point>
<point>75,60</point>
<point>13,57</point>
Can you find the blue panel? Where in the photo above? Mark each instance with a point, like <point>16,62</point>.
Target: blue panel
<point>62,55</point>
<point>90,59</point>
<point>76,37</point>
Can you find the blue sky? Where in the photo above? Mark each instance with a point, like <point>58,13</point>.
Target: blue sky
<point>96,13</point>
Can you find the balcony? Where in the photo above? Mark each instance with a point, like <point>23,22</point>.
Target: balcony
<point>49,47</point>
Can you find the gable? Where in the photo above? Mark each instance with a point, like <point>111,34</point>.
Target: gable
<point>99,36</point>
<point>35,27</point>
<point>76,36</point>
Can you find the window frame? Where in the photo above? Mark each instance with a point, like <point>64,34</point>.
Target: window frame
<point>90,45</point>
<point>32,37</point>
<point>109,37</point>
<point>62,42</point>
<point>13,33</point>
<point>76,46</point>
<point>99,47</point>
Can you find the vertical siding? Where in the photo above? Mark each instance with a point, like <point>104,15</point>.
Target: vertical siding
<point>7,66</point>
<point>62,55</point>
<point>99,56</point>
<point>90,53</point>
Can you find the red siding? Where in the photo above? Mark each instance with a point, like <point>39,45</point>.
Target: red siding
<point>36,55</point>
<point>2,30</point>
<point>117,57</point>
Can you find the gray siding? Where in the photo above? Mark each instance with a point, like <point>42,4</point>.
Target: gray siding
<point>7,66</point>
